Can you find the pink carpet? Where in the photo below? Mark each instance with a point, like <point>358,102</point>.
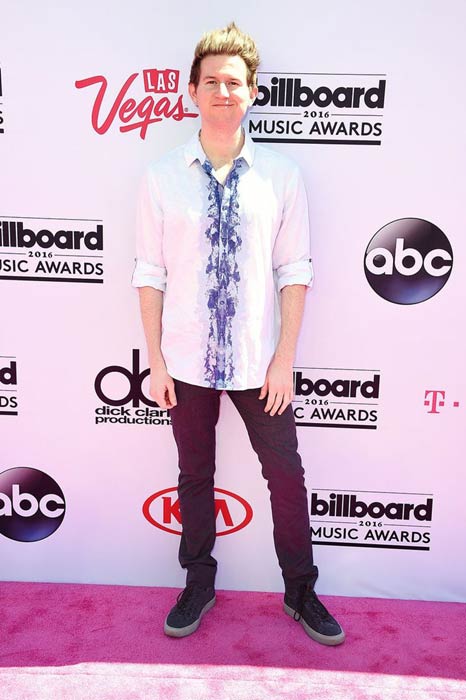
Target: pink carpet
<point>76,642</point>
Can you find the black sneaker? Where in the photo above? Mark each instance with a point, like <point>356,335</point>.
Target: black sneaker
<point>302,604</point>
<point>185,617</point>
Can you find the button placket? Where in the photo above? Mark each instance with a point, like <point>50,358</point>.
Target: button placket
<point>223,288</point>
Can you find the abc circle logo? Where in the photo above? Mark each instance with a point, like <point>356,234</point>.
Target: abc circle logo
<point>408,261</point>
<point>32,505</point>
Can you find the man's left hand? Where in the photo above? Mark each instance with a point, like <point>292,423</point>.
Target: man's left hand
<point>278,387</point>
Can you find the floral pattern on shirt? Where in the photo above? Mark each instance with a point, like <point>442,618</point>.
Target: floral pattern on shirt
<point>222,276</point>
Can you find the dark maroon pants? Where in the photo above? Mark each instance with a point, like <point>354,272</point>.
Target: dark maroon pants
<point>274,440</point>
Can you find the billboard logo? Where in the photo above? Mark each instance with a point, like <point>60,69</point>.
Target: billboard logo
<point>318,108</point>
<point>376,519</point>
<point>32,505</point>
<point>336,398</point>
<point>8,386</point>
<point>408,261</point>
<point>44,251</point>
<point>232,512</point>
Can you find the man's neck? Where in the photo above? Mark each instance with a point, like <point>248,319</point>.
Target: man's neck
<point>221,147</point>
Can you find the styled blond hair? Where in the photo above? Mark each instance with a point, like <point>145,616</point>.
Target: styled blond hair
<point>230,41</point>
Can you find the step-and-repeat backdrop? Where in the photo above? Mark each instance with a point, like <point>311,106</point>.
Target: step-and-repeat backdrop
<point>369,99</point>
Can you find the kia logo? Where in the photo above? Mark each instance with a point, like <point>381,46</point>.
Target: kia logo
<point>232,512</point>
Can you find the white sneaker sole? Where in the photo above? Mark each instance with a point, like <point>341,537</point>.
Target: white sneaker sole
<point>316,636</point>
<point>189,629</point>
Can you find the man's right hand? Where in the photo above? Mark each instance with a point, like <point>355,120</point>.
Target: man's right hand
<point>162,387</point>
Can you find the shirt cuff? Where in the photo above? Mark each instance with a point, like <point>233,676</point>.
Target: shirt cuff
<point>300,272</point>
<point>147,275</point>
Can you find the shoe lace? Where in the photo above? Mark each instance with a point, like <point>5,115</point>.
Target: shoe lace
<point>307,596</point>
<point>187,599</point>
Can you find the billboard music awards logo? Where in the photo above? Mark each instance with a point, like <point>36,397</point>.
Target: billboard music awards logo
<point>135,110</point>
<point>232,512</point>
<point>2,128</point>
<point>32,504</point>
<point>124,393</point>
<point>320,108</point>
<point>408,261</point>
<point>336,398</point>
<point>377,519</point>
<point>41,249</point>
<point>8,386</point>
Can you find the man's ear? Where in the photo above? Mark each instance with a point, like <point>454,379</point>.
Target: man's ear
<point>253,92</point>
<point>192,92</point>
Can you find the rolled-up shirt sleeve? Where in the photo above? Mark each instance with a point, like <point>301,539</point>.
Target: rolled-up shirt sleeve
<point>291,257</point>
<point>150,270</point>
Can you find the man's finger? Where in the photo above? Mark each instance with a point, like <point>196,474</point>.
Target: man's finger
<point>160,400</point>
<point>285,403</point>
<point>270,401</point>
<point>279,398</point>
<point>171,395</point>
<point>263,392</point>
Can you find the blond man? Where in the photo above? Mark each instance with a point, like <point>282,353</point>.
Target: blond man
<point>223,245</point>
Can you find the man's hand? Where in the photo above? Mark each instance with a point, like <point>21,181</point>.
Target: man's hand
<point>278,385</point>
<point>279,378</point>
<point>162,387</point>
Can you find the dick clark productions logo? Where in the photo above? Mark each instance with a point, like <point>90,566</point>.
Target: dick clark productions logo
<point>122,391</point>
<point>408,261</point>
<point>32,505</point>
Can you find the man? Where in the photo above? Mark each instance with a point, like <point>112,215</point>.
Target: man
<point>223,251</point>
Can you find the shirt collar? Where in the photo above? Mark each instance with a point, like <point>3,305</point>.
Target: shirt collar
<point>193,150</point>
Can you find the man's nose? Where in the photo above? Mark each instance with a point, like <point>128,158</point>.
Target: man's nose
<point>223,89</point>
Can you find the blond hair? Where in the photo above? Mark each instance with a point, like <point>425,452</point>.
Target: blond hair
<point>230,41</point>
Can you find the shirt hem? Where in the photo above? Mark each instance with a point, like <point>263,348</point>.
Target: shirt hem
<point>206,384</point>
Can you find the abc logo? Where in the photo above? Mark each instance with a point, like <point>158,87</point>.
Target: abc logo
<point>408,261</point>
<point>32,505</point>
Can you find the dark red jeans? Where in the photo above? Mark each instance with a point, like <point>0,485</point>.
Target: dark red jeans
<point>274,440</point>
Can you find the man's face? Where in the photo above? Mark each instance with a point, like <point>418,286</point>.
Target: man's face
<point>223,94</point>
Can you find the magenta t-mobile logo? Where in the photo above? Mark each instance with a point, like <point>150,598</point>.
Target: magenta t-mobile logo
<point>435,399</point>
